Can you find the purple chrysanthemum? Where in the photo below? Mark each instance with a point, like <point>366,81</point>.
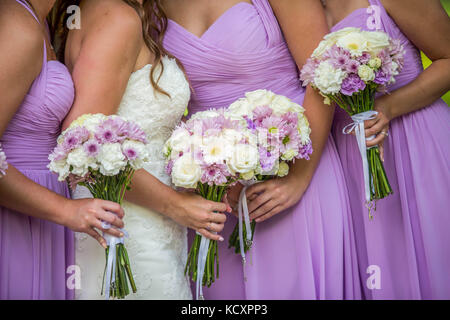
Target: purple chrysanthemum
<point>91,147</point>
<point>215,174</point>
<point>352,84</point>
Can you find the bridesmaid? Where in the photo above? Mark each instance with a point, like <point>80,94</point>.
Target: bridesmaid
<point>304,249</point>
<point>36,93</point>
<point>409,236</point>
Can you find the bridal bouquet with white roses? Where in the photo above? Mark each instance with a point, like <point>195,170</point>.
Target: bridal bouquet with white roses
<point>282,131</point>
<point>102,153</point>
<point>348,67</point>
<point>209,153</point>
<point>3,163</point>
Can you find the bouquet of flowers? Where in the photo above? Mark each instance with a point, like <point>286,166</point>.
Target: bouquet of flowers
<point>3,163</point>
<point>283,136</point>
<point>101,153</point>
<point>348,67</point>
<point>209,153</point>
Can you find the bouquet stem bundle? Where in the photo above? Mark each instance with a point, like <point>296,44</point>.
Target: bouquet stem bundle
<point>359,102</point>
<point>113,188</point>
<point>211,270</point>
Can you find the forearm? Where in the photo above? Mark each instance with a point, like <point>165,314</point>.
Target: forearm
<point>19,193</point>
<point>429,86</point>
<point>149,192</point>
<point>320,117</point>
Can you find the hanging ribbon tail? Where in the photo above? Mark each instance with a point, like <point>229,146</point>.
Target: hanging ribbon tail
<point>202,255</point>
<point>243,217</point>
<point>358,127</point>
<point>112,242</point>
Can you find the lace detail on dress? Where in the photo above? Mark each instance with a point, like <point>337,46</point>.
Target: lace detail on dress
<point>157,245</point>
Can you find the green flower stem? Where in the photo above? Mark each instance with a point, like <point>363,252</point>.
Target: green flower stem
<point>113,188</point>
<point>213,193</point>
<point>357,103</point>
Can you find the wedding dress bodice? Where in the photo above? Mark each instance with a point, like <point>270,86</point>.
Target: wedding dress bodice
<point>157,246</point>
<point>156,113</point>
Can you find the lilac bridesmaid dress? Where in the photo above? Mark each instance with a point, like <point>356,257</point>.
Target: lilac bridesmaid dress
<point>35,253</point>
<point>308,251</point>
<point>410,233</point>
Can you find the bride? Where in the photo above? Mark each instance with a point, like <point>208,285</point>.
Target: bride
<point>119,66</point>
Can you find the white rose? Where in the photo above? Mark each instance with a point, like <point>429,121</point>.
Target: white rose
<point>243,159</point>
<point>366,73</point>
<point>355,42</point>
<point>328,79</point>
<point>111,159</point>
<point>283,170</point>
<point>186,173</point>
<point>211,113</point>
<point>232,136</point>
<point>376,40</point>
<point>280,105</point>
<point>239,108</point>
<point>260,97</point>
<point>304,129</point>
<point>289,155</point>
<point>324,45</point>
<point>248,175</point>
<point>179,141</point>
<point>334,36</point>
<point>295,107</point>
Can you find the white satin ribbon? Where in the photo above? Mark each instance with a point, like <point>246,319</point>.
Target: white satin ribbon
<point>201,262</point>
<point>112,242</point>
<point>243,217</point>
<point>358,126</point>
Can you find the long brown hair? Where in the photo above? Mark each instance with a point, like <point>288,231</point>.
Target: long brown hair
<point>154,26</point>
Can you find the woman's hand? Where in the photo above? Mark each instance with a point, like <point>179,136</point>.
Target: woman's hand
<point>379,127</point>
<point>232,198</point>
<point>199,214</point>
<point>271,197</point>
<point>83,215</point>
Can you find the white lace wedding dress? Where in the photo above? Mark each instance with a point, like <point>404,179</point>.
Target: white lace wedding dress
<point>157,246</point>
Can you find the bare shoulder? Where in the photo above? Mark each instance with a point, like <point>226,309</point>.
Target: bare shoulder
<point>20,34</point>
<point>114,15</point>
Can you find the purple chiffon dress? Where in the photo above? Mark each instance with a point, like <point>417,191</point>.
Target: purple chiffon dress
<point>308,251</point>
<point>409,237</point>
<point>34,253</point>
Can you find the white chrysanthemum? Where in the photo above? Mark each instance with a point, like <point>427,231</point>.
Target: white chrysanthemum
<point>366,73</point>
<point>111,159</point>
<point>355,42</point>
<point>80,162</point>
<point>328,79</point>
<point>215,150</point>
<point>375,63</point>
<point>243,159</point>
<point>60,167</point>
<point>186,173</point>
<point>260,97</point>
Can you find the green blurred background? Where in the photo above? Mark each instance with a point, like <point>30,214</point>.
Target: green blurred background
<point>427,62</point>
